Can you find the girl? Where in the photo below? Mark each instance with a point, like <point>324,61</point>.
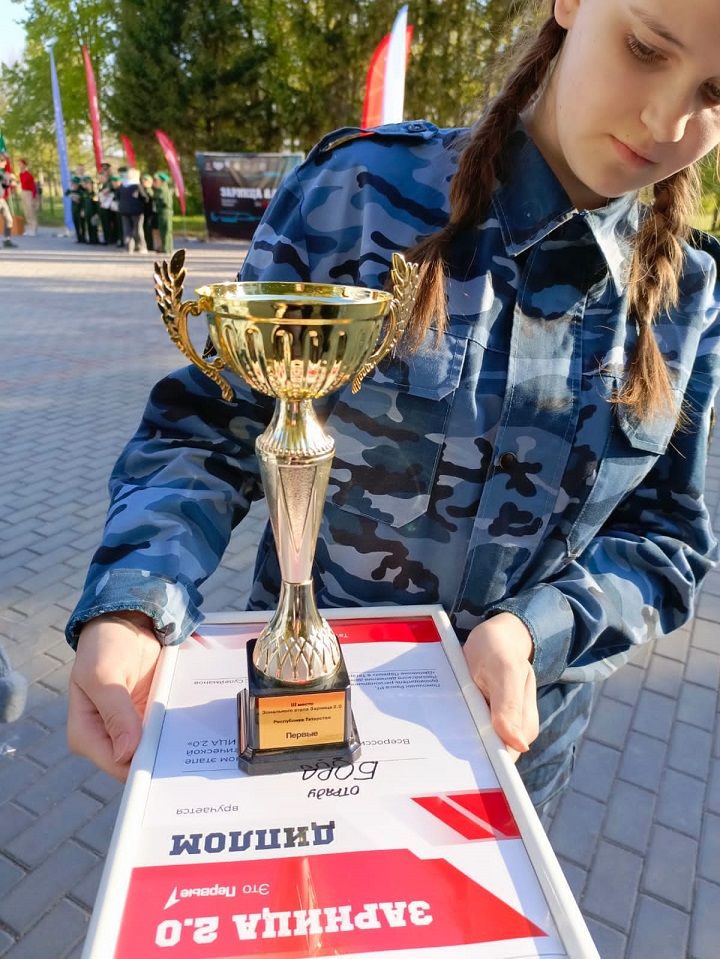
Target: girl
<point>534,459</point>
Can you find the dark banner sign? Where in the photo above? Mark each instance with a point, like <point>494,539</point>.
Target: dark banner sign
<point>237,188</point>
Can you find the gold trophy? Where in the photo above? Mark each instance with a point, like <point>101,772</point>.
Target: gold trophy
<point>295,342</point>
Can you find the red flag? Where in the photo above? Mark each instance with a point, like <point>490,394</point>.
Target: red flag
<point>168,148</point>
<point>129,151</point>
<point>94,111</point>
<point>374,105</point>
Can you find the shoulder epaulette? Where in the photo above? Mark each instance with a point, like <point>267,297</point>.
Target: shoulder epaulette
<point>413,128</point>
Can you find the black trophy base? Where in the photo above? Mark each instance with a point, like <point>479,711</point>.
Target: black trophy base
<point>277,724</point>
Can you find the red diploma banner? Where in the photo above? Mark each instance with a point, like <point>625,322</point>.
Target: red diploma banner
<point>327,905</point>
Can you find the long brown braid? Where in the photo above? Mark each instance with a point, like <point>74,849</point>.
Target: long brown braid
<point>653,287</point>
<point>657,260</point>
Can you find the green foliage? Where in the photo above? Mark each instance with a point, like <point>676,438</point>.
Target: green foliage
<point>247,75</point>
<point>25,89</point>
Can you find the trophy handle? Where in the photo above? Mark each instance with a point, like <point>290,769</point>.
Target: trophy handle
<point>169,279</point>
<point>405,280</point>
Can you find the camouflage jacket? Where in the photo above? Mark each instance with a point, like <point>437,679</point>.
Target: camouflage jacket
<point>489,473</point>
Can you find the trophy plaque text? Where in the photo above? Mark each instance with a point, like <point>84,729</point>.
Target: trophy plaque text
<point>295,342</point>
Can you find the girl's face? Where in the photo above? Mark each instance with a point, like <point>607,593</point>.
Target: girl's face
<point>634,97</point>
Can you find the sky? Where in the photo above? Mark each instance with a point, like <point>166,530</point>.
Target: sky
<point>12,36</point>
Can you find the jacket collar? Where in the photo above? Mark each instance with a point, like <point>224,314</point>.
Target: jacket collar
<point>530,204</point>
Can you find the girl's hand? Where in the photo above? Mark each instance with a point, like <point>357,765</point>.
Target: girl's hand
<point>109,686</point>
<point>498,654</point>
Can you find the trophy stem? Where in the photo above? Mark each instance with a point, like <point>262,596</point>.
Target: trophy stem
<point>297,647</point>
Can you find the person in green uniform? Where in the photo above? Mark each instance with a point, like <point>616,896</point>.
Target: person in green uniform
<point>90,210</point>
<point>150,213</point>
<point>163,196</point>
<point>75,192</point>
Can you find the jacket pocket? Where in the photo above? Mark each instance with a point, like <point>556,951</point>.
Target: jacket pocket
<point>389,436</point>
<point>633,447</point>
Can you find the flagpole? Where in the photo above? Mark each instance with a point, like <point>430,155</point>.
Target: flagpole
<point>61,143</point>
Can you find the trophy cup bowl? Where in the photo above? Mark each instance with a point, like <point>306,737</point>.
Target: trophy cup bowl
<point>295,342</point>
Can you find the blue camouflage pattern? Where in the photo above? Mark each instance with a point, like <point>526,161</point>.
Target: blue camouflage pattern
<point>486,472</point>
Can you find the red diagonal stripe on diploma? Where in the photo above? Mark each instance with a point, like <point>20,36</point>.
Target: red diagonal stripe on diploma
<point>310,906</point>
<point>475,815</point>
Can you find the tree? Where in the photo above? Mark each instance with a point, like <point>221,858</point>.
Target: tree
<point>29,123</point>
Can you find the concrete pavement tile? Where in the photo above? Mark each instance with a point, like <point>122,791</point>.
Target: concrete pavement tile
<point>46,706</point>
<point>703,668</point>
<point>85,891</point>
<point>575,875</point>
<point>64,926</point>
<point>32,846</point>
<point>38,666</point>
<point>705,635</point>
<point>51,750</point>
<point>629,816</point>
<point>595,769</point>
<point>697,705</point>
<point>680,803</point>
<point>10,875</point>
<point>624,684</point>
<point>643,761</point>
<point>13,819</point>
<point>674,645</point>
<point>708,607</point>
<point>690,750</point>
<point>22,734</point>
<point>59,781</point>
<point>654,715</point>
<point>709,859</point>
<point>61,650</point>
<point>659,931</point>
<point>576,828</point>
<point>712,800</point>
<point>610,722</point>
<point>641,655</point>
<point>35,894</point>
<point>58,678</point>
<point>52,558</point>
<point>705,929</point>
<point>102,787</point>
<point>664,676</point>
<point>610,943</point>
<point>612,885</point>
<point>16,774</point>
<point>670,867</point>
<point>97,831</point>
<point>711,583</point>
<point>30,604</point>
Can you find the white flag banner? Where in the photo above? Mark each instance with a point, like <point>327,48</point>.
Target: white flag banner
<point>394,90</point>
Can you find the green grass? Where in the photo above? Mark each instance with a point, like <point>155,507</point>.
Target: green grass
<point>193,225</point>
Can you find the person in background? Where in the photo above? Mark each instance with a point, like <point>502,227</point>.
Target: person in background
<point>75,192</point>
<point>149,215</point>
<point>6,215</point>
<point>116,227</point>
<point>163,194</point>
<point>90,210</point>
<point>106,196</point>
<point>29,198</point>
<point>13,691</point>
<point>132,211</point>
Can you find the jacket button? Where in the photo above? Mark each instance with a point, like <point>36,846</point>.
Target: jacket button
<point>507,461</point>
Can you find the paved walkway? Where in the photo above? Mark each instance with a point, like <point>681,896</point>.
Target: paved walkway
<point>81,339</point>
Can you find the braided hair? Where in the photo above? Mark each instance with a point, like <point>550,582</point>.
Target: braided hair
<point>657,258</point>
